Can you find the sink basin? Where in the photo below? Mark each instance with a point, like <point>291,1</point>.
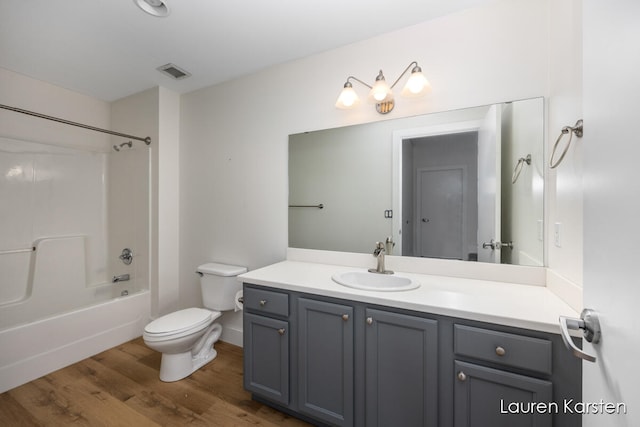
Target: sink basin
<point>374,281</point>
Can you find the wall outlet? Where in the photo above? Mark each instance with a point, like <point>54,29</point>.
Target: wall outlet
<point>557,228</point>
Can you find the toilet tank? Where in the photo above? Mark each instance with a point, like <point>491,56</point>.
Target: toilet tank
<point>219,285</point>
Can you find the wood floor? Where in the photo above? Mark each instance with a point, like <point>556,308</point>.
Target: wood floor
<point>120,387</point>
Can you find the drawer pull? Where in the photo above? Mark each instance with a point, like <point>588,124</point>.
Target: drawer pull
<point>281,331</point>
<point>345,317</point>
<point>500,351</point>
<point>369,320</point>
<point>462,376</point>
<point>263,302</point>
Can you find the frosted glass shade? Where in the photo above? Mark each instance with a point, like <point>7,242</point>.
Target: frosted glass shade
<point>348,98</point>
<point>417,85</point>
<point>380,92</point>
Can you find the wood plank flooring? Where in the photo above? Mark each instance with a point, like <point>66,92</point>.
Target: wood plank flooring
<point>120,387</point>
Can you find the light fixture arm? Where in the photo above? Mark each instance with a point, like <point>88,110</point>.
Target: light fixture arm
<point>414,64</point>
<point>358,80</point>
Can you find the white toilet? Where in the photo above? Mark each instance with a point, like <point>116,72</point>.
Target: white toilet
<point>185,337</point>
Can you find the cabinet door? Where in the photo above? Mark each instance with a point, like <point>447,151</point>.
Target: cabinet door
<point>266,357</point>
<point>325,367</point>
<point>401,370</point>
<point>490,397</point>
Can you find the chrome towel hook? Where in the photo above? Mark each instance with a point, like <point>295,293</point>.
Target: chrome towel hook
<point>518,169</point>
<point>577,129</point>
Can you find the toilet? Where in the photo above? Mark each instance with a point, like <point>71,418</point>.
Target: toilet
<point>186,337</point>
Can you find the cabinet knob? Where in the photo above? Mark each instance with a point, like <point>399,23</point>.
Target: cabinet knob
<point>500,351</point>
<point>263,302</point>
<point>281,331</point>
<point>369,320</point>
<point>462,376</point>
<point>345,317</point>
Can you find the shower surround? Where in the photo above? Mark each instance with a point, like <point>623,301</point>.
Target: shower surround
<point>67,214</point>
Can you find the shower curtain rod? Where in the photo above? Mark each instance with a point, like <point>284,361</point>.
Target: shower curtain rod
<point>146,140</point>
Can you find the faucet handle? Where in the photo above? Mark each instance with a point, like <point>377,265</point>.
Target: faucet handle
<point>379,249</point>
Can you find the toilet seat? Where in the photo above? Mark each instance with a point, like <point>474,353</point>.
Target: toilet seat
<point>179,324</point>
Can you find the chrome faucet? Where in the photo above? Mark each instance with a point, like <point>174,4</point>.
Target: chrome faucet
<point>379,254</point>
<point>120,278</point>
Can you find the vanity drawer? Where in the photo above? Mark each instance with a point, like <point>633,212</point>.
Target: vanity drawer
<point>533,354</point>
<point>267,302</point>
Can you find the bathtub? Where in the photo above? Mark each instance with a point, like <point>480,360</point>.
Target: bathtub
<point>32,350</point>
<point>68,213</point>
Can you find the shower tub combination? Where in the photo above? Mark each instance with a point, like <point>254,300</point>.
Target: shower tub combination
<point>67,214</point>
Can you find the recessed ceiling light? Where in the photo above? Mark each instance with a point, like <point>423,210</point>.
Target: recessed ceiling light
<point>153,7</point>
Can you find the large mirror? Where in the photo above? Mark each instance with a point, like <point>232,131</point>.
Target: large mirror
<point>465,184</point>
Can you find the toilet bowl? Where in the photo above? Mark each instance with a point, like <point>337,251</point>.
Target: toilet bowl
<point>186,337</point>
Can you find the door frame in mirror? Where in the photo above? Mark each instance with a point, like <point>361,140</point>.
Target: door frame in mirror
<point>396,167</point>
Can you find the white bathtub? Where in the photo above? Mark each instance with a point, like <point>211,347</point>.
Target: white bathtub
<point>72,212</point>
<point>29,351</point>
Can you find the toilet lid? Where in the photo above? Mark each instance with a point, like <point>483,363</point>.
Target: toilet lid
<point>180,321</point>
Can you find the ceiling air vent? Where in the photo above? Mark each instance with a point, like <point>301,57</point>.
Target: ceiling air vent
<point>174,71</point>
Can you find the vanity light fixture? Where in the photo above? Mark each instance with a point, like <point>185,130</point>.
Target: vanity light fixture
<point>381,94</point>
<point>157,8</point>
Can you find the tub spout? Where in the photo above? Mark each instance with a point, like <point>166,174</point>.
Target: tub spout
<point>120,278</point>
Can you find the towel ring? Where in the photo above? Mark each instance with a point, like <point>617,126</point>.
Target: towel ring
<point>578,130</point>
<point>518,169</point>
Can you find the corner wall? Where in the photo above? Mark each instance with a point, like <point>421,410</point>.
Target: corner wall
<point>156,113</point>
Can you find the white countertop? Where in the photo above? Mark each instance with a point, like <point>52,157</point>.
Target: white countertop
<point>517,305</point>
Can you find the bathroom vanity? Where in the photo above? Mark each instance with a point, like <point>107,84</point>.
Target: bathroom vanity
<point>454,352</point>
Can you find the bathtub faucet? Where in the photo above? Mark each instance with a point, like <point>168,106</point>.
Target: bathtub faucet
<point>120,278</point>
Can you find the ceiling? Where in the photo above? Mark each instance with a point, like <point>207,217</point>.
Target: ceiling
<point>110,49</point>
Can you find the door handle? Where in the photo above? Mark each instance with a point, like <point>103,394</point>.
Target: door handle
<point>496,245</point>
<point>490,245</point>
<point>591,331</point>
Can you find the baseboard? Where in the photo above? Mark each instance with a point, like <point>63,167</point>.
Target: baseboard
<point>232,335</point>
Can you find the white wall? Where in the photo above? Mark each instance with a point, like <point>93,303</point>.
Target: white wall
<point>563,190</point>
<point>522,129</point>
<point>26,93</point>
<point>156,113</point>
<point>233,137</point>
<point>166,179</point>
<point>129,185</point>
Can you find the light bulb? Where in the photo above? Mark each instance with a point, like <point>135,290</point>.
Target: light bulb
<point>380,92</point>
<point>417,85</point>
<point>348,97</point>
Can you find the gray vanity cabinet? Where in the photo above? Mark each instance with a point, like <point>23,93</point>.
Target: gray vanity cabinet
<point>401,363</point>
<point>336,362</point>
<point>325,341</point>
<point>266,345</point>
<point>494,396</point>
